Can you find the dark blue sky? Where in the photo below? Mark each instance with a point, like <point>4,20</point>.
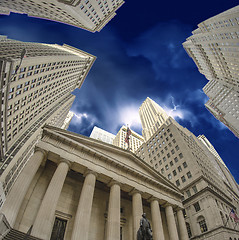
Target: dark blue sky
<point>139,54</point>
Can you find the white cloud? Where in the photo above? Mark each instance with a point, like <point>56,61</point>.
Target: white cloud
<point>129,115</point>
<point>78,118</point>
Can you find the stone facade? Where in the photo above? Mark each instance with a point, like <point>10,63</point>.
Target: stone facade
<point>99,190</point>
<point>135,140</point>
<point>214,49</point>
<point>38,92</point>
<point>91,15</point>
<point>208,187</point>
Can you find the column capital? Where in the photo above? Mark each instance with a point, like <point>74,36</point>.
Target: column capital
<point>167,204</point>
<point>45,153</point>
<point>65,161</point>
<point>152,198</point>
<point>132,192</point>
<point>114,182</point>
<point>89,171</point>
<point>178,209</point>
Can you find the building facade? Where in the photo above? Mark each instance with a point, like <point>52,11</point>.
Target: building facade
<point>91,15</point>
<point>135,140</point>
<point>215,50</point>
<point>223,104</point>
<point>209,189</point>
<point>38,92</point>
<point>152,116</point>
<point>86,189</point>
<point>102,135</point>
<point>67,120</point>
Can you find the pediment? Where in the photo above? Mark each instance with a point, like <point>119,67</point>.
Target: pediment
<point>122,159</point>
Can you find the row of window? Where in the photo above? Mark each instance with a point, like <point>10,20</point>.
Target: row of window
<point>183,178</point>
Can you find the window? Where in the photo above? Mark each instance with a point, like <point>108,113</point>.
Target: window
<point>177,147</point>
<point>162,170</point>
<point>164,159</point>
<point>179,169</point>
<point>160,162</point>
<point>188,230</point>
<point>167,167</point>
<point>197,206</point>
<point>195,189</point>
<point>174,173</point>
<point>177,183</point>
<point>184,213</point>
<point>202,224</point>
<point>58,230</point>
<point>188,193</point>
<point>189,174</point>
<point>172,151</point>
<point>169,176</point>
<point>180,155</point>
<point>185,165</point>
<point>175,159</point>
<point>183,179</point>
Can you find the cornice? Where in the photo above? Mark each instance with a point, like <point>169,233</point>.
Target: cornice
<point>204,190</point>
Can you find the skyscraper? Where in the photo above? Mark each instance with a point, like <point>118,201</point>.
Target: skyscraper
<point>214,48</point>
<point>38,92</point>
<point>102,135</point>
<point>208,187</point>
<point>91,15</point>
<point>152,116</point>
<point>67,120</point>
<point>135,140</point>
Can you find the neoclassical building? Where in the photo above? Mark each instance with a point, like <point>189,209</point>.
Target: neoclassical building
<point>75,187</point>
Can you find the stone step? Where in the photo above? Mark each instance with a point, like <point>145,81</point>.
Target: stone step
<point>17,235</point>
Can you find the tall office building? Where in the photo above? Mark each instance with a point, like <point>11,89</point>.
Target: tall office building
<point>91,15</point>
<point>214,48</point>
<point>135,140</point>
<point>102,135</point>
<point>210,147</point>
<point>38,92</point>
<point>152,116</point>
<point>210,191</point>
<point>67,120</point>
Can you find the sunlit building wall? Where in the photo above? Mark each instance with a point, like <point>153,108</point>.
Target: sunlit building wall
<point>152,117</point>
<point>186,161</point>
<point>38,93</point>
<point>135,140</point>
<point>67,120</point>
<point>102,135</point>
<point>223,104</point>
<point>91,15</point>
<point>214,47</point>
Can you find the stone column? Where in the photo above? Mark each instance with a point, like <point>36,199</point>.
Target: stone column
<point>172,229</point>
<point>15,197</point>
<point>44,221</point>
<point>183,233</point>
<point>157,225</point>
<point>137,211</point>
<point>82,218</point>
<point>113,220</point>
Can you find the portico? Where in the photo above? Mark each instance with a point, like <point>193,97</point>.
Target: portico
<point>93,187</point>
